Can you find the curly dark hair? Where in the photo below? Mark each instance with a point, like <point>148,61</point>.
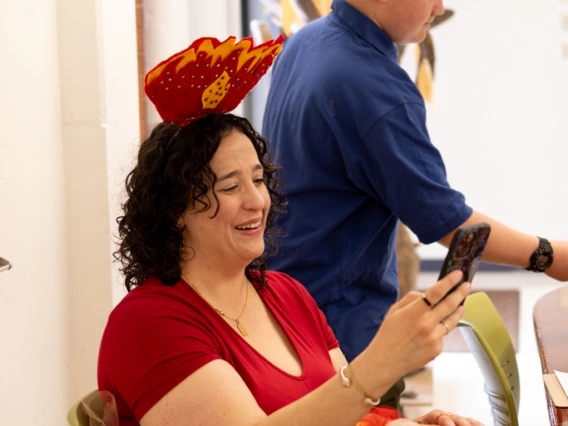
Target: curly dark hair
<point>171,176</point>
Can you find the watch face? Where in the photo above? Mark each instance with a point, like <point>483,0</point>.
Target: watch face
<point>542,261</point>
<point>542,257</point>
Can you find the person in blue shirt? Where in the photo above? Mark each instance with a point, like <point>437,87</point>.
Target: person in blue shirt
<point>348,127</point>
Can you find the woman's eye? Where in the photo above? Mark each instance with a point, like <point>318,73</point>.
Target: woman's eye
<point>230,189</point>
<point>259,181</point>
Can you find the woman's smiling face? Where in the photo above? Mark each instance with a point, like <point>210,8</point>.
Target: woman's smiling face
<point>235,235</point>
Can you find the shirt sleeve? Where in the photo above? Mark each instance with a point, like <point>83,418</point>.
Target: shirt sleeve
<point>398,165</point>
<point>149,350</point>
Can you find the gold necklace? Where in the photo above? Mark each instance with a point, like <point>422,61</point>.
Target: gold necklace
<point>241,327</point>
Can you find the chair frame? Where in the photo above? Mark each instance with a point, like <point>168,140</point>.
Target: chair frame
<point>490,343</point>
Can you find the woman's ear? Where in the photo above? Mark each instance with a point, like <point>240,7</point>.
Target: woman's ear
<point>181,221</point>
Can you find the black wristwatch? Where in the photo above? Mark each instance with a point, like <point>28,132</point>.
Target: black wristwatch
<point>542,257</point>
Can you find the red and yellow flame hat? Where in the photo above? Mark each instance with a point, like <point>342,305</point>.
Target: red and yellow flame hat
<point>209,77</point>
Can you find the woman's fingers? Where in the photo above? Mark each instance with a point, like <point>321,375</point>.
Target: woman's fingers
<point>445,418</point>
<point>413,330</point>
<point>408,298</point>
<point>444,308</point>
<point>449,323</point>
<point>454,318</point>
<point>455,420</point>
<point>440,298</point>
<point>436,293</point>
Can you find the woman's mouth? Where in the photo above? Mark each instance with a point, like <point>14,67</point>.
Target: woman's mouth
<point>250,225</point>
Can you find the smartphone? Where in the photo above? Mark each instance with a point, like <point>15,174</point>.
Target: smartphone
<point>465,252</point>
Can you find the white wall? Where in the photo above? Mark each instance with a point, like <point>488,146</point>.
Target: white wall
<point>33,295</point>
<point>85,170</point>
<point>214,18</point>
<point>257,98</point>
<point>118,64</point>
<point>166,31</point>
<point>70,121</point>
<point>499,116</point>
<point>98,62</point>
<point>171,26</point>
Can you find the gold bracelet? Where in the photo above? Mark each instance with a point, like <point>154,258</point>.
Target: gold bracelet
<point>346,382</point>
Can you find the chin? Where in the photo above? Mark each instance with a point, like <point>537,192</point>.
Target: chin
<point>412,40</point>
<point>421,36</point>
<point>255,254</point>
<point>418,37</point>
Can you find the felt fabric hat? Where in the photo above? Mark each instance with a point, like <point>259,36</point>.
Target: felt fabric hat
<point>209,77</point>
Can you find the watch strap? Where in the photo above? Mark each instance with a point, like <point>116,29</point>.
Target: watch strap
<point>542,257</point>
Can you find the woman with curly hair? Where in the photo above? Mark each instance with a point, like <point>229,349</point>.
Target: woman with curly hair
<point>207,335</point>
<point>174,167</point>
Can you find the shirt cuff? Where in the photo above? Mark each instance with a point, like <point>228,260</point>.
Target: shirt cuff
<point>444,229</point>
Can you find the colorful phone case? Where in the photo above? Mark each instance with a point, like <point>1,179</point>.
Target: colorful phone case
<point>465,251</point>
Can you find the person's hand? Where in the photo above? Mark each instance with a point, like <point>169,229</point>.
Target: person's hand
<point>413,329</point>
<point>444,418</point>
<point>559,268</point>
<point>403,422</point>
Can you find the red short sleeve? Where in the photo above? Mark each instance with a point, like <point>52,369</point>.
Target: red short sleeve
<point>150,345</point>
<point>329,336</point>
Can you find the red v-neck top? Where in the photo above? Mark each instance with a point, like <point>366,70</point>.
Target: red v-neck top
<point>159,335</point>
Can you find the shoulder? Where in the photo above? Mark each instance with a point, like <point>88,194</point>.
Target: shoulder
<point>287,288</point>
<point>362,83</point>
<point>154,311</point>
<point>156,337</point>
<point>153,321</point>
<point>376,85</point>
<point>148,299</point>
<point>283,282</point>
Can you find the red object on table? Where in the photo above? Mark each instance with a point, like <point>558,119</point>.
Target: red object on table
<point>379,416</point>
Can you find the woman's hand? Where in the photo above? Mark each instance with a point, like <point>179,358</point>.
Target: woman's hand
<point>443,418</point>
<point>403,422</point>
<point>412,332</point>
<point>436,417</point>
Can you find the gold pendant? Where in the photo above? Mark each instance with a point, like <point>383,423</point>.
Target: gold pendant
<point>242,329</point>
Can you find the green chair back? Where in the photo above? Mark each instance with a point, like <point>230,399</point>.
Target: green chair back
<point>488,340</point>
<point>78,416</point>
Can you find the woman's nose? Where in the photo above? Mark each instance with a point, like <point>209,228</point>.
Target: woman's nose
<point>254,199</point>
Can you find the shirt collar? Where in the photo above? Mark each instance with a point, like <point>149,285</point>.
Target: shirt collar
<point>364,28</point>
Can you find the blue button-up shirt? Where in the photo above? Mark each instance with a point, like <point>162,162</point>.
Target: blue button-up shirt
<point>348,126</point>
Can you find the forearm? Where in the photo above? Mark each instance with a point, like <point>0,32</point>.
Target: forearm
<point>332,404</point>
<point>306,10</point>
<point>411,336</point>
<point>505,246</point>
